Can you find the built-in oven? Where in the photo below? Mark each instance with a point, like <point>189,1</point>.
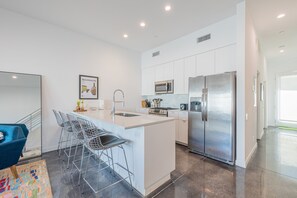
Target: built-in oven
<point>164,87</point>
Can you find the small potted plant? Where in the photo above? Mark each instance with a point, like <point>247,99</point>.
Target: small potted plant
<point>78,105</point>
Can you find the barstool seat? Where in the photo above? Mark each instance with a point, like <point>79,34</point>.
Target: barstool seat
<point>108,141</point>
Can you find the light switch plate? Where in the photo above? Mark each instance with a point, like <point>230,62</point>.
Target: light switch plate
<point>246,116</point>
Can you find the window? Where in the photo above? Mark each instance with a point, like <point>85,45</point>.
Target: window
<point>287,104</point>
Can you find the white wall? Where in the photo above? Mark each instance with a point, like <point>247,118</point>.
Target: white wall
<point>251,65</point>
<point>223,33</point>
<point>274,68</point>
<point>240,105</point>
<point>60,55</point>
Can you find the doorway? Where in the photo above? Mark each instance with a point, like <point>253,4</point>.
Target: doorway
<point>286,111</point>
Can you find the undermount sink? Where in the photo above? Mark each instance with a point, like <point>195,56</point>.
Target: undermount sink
<point>126,114</point>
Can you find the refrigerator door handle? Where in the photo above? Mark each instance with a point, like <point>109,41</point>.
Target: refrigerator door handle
<point>205,97</point>
<point>205,109</point>
<point>202,106</point>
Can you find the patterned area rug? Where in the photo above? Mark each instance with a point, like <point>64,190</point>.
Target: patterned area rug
<point>33,182</point>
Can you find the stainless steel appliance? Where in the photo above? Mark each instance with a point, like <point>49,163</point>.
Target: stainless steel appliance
<point>212,116</point>
<point>183,107</point>
<point>164,87</point>
<point>160,111</point>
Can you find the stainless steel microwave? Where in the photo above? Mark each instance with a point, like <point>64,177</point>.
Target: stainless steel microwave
<point>164,87</point>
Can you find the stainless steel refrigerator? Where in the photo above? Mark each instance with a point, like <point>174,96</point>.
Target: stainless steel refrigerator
<point>212,116</point>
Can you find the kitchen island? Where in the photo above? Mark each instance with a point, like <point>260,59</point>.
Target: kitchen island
<point>150,150</point>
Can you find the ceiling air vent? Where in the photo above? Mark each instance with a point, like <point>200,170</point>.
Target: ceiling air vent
<point>156,54</point>
<point>203,38</point>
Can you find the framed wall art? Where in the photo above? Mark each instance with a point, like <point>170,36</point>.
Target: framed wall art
<point>88,87</point>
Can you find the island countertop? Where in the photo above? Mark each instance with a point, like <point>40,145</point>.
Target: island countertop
<point>125,122</point>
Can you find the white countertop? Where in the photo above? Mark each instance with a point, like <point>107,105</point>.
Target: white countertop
<point>125,122</point>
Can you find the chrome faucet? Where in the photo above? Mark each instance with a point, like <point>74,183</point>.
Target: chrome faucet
<point>117,101</point>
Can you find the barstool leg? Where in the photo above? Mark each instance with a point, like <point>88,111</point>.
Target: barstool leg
<point>108,158</point>
<point>60,141</point>
<point>112,161</point>
<point>88,163</point>
<point>75,152</point>
<point>70,147</point>
<point>127,166</point>
<point>81,164</point>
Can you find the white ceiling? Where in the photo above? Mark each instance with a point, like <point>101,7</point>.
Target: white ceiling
<point>268,27</point>
<point>110,19</point>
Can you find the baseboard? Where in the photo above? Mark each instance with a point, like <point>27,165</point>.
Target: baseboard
<point>250,155</point>
<point>261,135</point>
<point>49,148</point>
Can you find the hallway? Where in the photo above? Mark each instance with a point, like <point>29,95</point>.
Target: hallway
<point>277,152</point>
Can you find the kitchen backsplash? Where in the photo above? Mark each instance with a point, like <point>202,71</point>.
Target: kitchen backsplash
<point>169,100</point>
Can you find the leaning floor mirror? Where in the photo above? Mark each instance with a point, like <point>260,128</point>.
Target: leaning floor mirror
<point>20,101</point>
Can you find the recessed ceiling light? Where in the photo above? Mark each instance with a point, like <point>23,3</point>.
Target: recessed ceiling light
<point>281,16</point>
<point>282,51</point>
<point>167,8</point>
<point>125,35</point>
<point>142,24</point>
<point>14,77</point>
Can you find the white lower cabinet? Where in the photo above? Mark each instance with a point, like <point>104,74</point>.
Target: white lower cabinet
<point>181,126</point>
<point>183,131</point>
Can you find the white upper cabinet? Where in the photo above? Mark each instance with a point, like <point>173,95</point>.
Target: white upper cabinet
<point>178,76</point>
<point>168,71</point>
<point>225,59</point>
<point>205,64</point>
<point>190,71</point>
<point>164,72</point>
<point>148,81</point>
<point>212,62</point>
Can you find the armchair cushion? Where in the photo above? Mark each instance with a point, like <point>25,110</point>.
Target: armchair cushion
<point>12,145</point>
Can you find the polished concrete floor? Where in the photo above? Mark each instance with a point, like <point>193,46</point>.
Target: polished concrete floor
<point>272,172</point>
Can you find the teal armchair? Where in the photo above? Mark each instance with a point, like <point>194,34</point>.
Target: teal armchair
<point>15,136</point>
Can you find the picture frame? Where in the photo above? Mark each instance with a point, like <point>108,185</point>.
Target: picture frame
<point>88,87</point>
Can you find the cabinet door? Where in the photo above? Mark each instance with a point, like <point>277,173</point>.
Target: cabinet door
<point>148,81</point>
<point>159,72</point>
<point>190,71</point>
<point>178,72</point>
<point>225,59</point>
<point>183,131</point>
<point>176,121</point>
<point>164,71</point>
<point>168,72</point>
<point>205,64</point>
<point>174,114</point>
